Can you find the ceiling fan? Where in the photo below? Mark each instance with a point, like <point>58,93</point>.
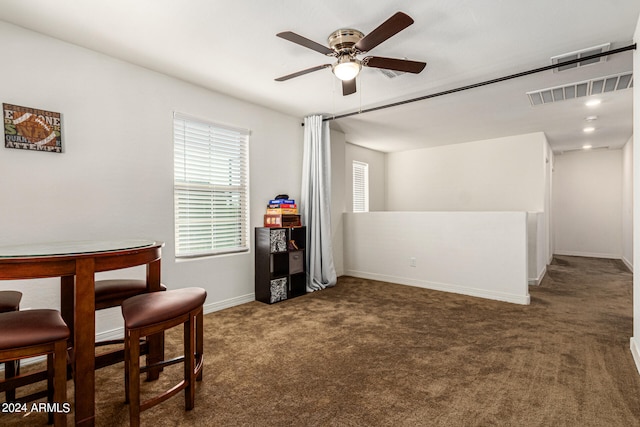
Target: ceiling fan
<point>347,44</point>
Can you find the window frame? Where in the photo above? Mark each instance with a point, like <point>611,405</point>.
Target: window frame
<point>360,187</point>
<point>211,217</point>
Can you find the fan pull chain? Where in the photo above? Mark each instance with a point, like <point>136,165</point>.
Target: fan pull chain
<point>333,85</point>
<point>360,91</point>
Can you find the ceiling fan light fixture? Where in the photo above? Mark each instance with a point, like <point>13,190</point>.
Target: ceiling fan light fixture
<point>346,68</point>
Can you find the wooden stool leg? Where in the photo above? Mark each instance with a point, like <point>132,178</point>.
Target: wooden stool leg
<point>127,357</point>
<point>155,344</point>
<point>11,370</point>
<point>199,344</point>
<point>133,342</point>
<point>189,367</point>
<point>60,383</point>
<point>51,371</point>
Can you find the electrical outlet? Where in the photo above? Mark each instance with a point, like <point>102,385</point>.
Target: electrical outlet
<point>412,261</point>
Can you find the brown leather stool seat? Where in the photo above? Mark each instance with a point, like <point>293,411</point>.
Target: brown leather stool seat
<point>112,292</point>
<point>152,313</point>
<point>10,301</point>
<point>32,333</point>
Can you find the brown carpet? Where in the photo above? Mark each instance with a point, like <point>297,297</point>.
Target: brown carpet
<point>368,353</point>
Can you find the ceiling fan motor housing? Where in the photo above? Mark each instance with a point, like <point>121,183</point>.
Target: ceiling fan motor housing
<point>344,40</point>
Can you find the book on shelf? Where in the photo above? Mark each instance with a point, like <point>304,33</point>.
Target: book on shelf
<point>282,201</point>
<point>282,211</point>
<point>282,206</point>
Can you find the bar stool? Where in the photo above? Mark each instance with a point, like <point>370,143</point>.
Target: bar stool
<point>112,293</point>
<point>156,312</point>
<point>10,301</point>
<point>33,333</point>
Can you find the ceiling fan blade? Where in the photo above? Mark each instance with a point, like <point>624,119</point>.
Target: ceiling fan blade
<point>387,29</point>
<point>303,41</point>
<point>303,72</point>
<point>394,64</point>
<point>348,87</point>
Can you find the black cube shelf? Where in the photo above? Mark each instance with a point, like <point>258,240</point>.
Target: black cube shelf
<point>280,263</point>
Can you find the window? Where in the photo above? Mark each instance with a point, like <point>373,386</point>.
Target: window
<point>360,187</point>
<point>211,186</point>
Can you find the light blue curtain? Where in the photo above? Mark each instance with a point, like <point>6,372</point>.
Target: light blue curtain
<point>315,203</point>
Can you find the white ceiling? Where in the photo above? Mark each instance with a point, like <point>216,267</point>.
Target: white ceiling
<point>231,47</point>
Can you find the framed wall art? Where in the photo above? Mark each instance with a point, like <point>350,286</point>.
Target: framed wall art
<point>32,129</point>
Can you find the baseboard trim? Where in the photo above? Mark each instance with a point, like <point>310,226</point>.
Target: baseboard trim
<point>588,254</point>
<point>474,292</point>
<point>628,264</point>
<point>635,352</point>
<point>537,280</point>
<point>228,303</point>
<point>112,334</point>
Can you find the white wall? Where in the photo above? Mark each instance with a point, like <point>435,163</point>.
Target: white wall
<point>503,174</point>
<point>635,340</point>
<point>546,254</point>
<point>482,254</point>
<point>587,203</point>
<point>115,177</point>
<point>377,176</point>
<point>536,249</point>
<point>627,203</point>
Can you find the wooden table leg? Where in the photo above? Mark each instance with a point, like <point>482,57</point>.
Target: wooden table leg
<point>156,341</point>
<point>84,342</point>
<point>67,310</point>
<point>67,305</point>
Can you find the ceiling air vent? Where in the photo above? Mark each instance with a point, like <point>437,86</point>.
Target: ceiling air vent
<point>585,88</point>
<point>559,59</point>
<point>391,74</point>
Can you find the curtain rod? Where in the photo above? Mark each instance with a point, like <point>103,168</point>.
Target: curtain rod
<point>485,83</point>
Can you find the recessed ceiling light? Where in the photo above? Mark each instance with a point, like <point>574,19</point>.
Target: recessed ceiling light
<point>586,147</point>
<point>589,129</point>
<point>592,103</point>
<point>591,118</point>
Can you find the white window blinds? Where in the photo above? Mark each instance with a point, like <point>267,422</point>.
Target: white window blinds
<point>211,186</point>
<point>360,187</point>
